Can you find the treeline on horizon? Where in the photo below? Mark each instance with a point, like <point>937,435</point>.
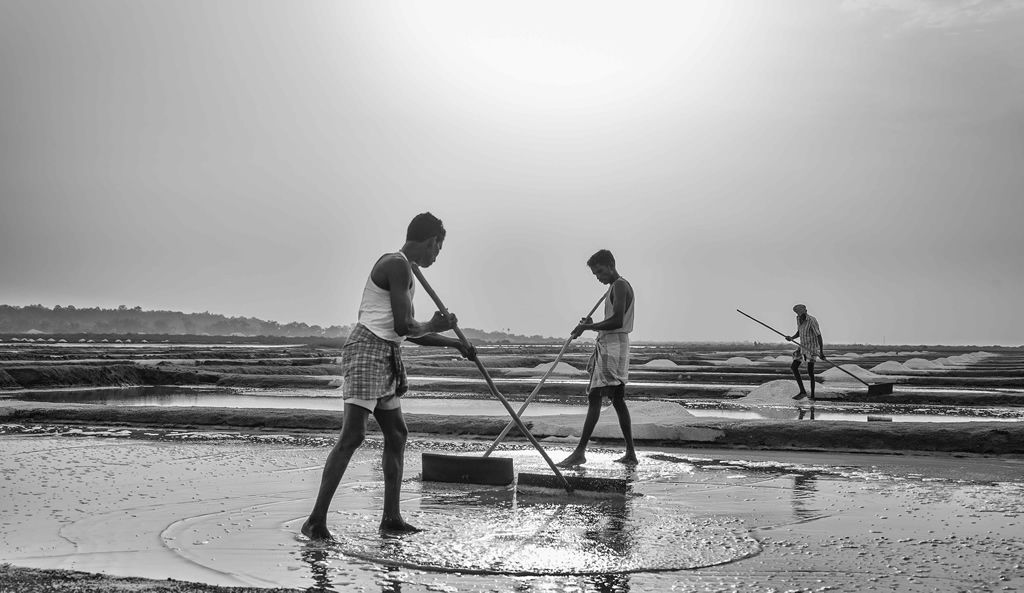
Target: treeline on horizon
<point>134,320</point>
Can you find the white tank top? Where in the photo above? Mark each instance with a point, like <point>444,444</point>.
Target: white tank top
<point>375,309</point>
<point>627,317</point>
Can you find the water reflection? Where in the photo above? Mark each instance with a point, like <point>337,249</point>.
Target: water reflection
<point>328,399</point>
<point>318,559</point>
<point>804,490</point>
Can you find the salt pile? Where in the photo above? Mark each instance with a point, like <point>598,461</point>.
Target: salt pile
<point>944,362</point>
<point>889,367</point>
<point>739,361</point>
<point>834,375</point>
<point>921,364</point>
<point>561,369</point>
<point>782,391</point>
<point>661,363</point>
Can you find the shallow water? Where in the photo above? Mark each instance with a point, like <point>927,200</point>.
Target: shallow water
<point>225,508</point>
<point>428,403</point>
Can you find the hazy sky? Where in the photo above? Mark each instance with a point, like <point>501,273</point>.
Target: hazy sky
<point>255,157</point>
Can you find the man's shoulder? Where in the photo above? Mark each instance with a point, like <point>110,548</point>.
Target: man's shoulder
<point>392,260</point>
<point>388,265</point>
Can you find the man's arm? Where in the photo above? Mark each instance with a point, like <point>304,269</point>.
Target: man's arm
<point>445,342</point>
<point>621,299</point>
<point>398,275</point>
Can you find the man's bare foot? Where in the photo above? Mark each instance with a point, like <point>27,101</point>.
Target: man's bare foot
<point>316,531</point>
<point>572,460</point>
<point>800,395</point>
<point>397,526</point>
<point>627,459</point>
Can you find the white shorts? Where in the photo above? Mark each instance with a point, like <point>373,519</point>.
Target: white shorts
<point>388,402</point>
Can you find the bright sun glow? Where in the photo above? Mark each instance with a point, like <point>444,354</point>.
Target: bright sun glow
<point>543,61</point>
<point>579,55</point>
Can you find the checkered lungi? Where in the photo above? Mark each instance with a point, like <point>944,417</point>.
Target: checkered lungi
<point>371,366</point>
<point>609,364</point>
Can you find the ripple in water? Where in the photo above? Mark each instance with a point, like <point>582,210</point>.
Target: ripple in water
<point>528,535</point>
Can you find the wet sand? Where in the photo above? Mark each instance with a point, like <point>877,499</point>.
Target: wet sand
<point>223,508</point>
<point>100,498</point>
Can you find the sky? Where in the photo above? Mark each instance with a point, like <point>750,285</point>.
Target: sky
<point>254,158</point>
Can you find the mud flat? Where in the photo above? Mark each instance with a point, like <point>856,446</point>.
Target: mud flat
<point>126,509</point>
<point>103,498</point>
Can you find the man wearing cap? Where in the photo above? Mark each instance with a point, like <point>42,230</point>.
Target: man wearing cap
<point>810,347</point>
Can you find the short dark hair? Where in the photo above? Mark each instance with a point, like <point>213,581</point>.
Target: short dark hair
<point>424,226</point>
<point>602,258</point>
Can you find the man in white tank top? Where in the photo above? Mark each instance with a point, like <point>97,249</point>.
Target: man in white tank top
<point>374,376</point>
<point>609,364</point>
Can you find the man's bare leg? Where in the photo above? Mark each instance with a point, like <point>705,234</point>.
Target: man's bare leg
<point>810,374</point>
<point>353,432</point>
<point>396,433</point>
<point>795,367</point>
<point>578,456</point>
<point>625,424</point>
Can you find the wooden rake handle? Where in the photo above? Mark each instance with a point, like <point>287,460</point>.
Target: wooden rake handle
<point>565,346</point>
<point>490,382</point>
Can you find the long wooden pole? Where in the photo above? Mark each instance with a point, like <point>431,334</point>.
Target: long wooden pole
<point>565,346</point>
<point>490,383</point>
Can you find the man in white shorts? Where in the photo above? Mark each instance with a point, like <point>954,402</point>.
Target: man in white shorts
<point>374,376</point>
<point>609,364</point>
